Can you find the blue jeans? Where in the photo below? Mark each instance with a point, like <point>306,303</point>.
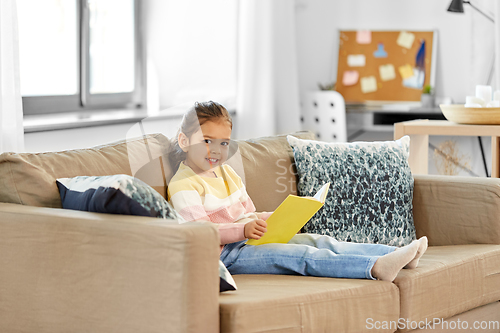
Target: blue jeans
<point>305,254</point>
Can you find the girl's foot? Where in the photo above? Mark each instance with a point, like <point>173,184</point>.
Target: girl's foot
<point>387,267</point>
<point>421,250</point>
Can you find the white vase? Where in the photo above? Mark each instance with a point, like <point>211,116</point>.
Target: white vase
<point>427,100</point>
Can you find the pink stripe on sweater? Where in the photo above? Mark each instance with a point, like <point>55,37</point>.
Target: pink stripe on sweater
<point>249,206</point>
<point>227,214</point>
<point>232,213</point>
<point>193,213</point>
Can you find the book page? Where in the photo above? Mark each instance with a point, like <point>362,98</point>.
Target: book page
<point>322,192</point>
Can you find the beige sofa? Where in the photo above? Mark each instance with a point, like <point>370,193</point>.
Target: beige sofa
<point>71,271</point>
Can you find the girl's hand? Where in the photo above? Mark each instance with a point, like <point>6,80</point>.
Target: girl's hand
<point>255,229</point>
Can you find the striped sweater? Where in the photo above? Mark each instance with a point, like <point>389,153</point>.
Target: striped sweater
<point>222,200</point>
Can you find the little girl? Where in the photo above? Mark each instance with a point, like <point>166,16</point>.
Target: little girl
<point>205,189</point>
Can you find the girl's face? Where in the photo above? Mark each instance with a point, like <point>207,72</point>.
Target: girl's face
<point>208,147</point>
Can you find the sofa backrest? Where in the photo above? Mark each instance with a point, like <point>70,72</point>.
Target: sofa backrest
<point>270,173</point>
<point>266,165</point>
<point>30,178</point>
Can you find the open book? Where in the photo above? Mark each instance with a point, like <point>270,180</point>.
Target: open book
<point>290,217</point>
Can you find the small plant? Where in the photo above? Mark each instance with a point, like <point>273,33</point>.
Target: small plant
<point>427,89</point>
<point>328,86</point>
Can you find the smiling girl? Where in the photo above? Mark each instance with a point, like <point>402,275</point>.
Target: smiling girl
<point>205,189</point>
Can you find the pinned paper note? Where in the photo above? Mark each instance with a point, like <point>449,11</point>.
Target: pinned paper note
<point>416,81</point>
<point>405,39</point>
<point>380,53</point>
<point>364,36</point>
<point>356,60</point>
<point>350,78</point>
<point>406,71</point>
<point>368,84</point>
<point>387,72</point>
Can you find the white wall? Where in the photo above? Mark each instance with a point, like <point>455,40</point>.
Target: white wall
<point>318,22</point>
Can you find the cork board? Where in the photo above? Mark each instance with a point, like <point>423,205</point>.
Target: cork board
<point>385,66</point>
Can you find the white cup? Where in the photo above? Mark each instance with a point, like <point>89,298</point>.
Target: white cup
<point>473,100</point>
<point>496,95</point>
<point>484,92</point>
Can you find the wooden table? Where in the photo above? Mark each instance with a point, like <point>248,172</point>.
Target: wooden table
<point>419,131</point>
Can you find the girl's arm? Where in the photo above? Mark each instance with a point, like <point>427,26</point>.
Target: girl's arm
<point>190,207</point>
<point>264,215</point>
<point>242,229</point>
<point>233,232</point>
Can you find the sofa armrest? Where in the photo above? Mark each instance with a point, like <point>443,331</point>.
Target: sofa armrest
<point>452,210</point>
<point>71,271</point>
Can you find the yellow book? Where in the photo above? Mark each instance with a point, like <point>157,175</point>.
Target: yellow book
<point>290,217</point>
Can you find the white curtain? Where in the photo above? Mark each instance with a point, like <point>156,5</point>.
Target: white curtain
<point>11,109</point>
<point>268,100</point>
<point>496,78</point>
<point>483,44</point>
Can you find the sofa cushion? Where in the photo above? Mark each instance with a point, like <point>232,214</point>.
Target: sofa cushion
<point>268,164</point>
<point>30,178</point>
<point>471,217</point>
<point>483,319</point>
<point>116,194</point>
<point>450,280</point>
<point>371,192</point>
<point>288,303</point>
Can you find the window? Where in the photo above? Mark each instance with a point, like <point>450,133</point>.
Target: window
<point>79,55</point>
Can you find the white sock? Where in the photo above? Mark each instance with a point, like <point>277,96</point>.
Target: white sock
<point>423,243</point>
<point>387,267</point>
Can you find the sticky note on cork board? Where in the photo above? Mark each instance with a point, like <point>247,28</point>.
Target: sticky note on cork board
<point>368,84</point>
<point>406,39</point>
<point>356,60</point>
<point>350,78</point>
<point>406,71</point>
<point>387,72</point>
<point>363,36</point>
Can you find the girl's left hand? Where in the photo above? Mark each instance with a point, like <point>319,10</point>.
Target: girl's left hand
<point>255,229</point>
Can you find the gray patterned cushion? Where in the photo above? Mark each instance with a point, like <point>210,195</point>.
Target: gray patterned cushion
<point>116,194</point>
<point>371,191</point>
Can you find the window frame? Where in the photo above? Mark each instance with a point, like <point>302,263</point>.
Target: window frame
<point>84,101</point>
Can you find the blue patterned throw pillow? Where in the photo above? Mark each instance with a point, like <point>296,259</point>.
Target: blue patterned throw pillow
<point>116,194</point>
<point>371,191</point>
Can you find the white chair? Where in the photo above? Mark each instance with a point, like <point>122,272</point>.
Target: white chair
<point>323,112</point>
